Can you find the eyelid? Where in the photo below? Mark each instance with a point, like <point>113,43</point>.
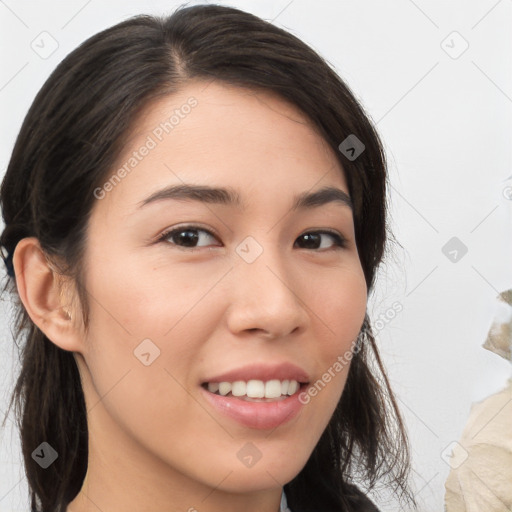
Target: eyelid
<point>176,229</point>
<point>341,241</point>
<point>336,235</point>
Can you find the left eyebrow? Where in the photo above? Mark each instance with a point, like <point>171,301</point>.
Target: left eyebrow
<point>320,197</point>
<point>229,197</point>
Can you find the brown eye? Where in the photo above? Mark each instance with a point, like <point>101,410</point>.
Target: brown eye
<point>187,236</point>
<point>192,236</point>
<point>315,240</point>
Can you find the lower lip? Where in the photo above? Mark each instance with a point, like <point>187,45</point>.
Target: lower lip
<point>257,415</point>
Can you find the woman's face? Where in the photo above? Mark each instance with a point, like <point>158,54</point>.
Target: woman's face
<point>246,288</point>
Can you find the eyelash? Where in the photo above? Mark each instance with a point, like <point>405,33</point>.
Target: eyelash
<point>340,242</point>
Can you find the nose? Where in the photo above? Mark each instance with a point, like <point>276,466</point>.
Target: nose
<point>265,298</point>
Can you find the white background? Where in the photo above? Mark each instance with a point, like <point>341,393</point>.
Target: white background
<point>446,123</point>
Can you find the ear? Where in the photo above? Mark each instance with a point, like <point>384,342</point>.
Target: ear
<point>40,288</point>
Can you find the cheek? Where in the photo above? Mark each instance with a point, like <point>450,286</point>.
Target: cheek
<point>142,346</point>
<point>339,302</point>
<point>151,302</point>
<point>340,305</point>
<point>145,336</point>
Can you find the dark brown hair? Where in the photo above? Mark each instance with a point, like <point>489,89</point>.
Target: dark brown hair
<point>67,146</point>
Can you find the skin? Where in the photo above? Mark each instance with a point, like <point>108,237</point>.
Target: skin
<point>155,443</point>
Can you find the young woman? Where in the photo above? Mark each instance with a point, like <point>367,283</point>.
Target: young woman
<point>194,214</point>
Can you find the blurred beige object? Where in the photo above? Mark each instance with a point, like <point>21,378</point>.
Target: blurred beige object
<point>499,339</point>
<point>481,476</point>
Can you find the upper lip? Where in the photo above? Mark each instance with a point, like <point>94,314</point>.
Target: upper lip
<point>264,372</point>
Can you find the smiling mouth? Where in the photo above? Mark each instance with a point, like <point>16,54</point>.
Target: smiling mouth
<point>256,390</point>
<point>256,404</point>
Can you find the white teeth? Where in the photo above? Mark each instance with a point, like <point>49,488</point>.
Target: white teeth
<point>238,388</point>
<point>224,388</point>
<point>213,387</point>
<point>255,388</point>
<point>273,389</point>
<point>292,387</point>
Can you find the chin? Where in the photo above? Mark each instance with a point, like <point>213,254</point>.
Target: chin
<point>252,480</point>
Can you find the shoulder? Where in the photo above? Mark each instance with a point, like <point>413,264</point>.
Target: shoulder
<point>354,499</point>
<point>360,500</point>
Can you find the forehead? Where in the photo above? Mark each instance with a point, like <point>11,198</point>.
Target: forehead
<point>215,133</point>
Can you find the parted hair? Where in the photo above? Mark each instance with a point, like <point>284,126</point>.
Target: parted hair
<point>67,146</point>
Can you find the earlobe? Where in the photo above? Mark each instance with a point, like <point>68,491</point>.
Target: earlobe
<point>40,290</point>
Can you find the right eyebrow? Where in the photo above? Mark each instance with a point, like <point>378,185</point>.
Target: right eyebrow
<point>320,197</point>
<point>230,197</point>
<point>203,193</point>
